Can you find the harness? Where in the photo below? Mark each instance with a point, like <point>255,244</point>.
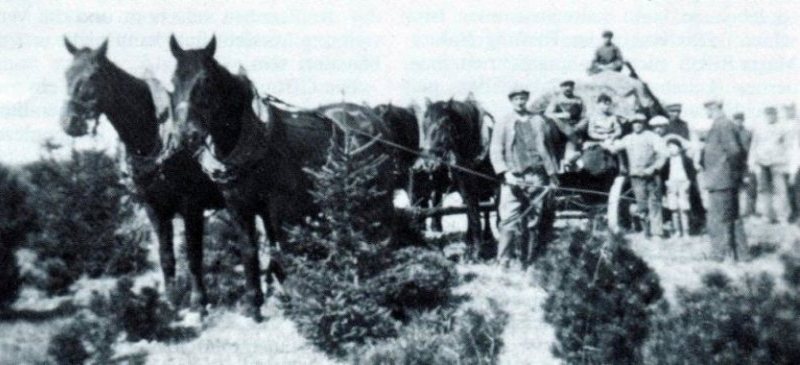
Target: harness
<point>140,172</point>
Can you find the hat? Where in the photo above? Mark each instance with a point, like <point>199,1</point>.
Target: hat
<point>567,83</point>
<point>608,33</point>
<point>771,110</point>
<point>713,103</point>
<point>673,107</point>
<point>518,91</point>
<point>738,116</point>
<point>675,141</point>
<point>638,118</point>
<point>658,120</point>
<point>604,98</point>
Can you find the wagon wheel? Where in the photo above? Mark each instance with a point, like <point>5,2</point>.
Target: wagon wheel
<point>620,199</point>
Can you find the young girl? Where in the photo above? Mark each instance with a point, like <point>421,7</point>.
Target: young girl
<point>678,170</point>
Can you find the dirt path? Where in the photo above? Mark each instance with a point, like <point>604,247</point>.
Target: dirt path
<point>527,337</point>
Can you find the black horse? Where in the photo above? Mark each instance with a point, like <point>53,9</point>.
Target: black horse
<point>452,133</point>
<point>175,186</point>
<point>425,187</point>
<point>260,151</point>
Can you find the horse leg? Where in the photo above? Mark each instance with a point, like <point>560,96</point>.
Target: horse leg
<point>473,219</point>
<point>248,248</point>
<point>275,269</point>
<point>194,252</point>
<point>162,222</point>
<point>438,187</point>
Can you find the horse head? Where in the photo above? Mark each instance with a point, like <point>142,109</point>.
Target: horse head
<point>439,133</point>
<point>84,85</point>
<point>207,98</point>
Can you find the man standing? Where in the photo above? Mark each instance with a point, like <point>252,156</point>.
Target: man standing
<point>749,182</point>
<point>647,153</point>
<point>676,126</point>
<point>769,158</point>
<point>519,155</point>
<point>568,112</point>
<point>793,169</point>
<point>723,161</point>
<point>607,57</point>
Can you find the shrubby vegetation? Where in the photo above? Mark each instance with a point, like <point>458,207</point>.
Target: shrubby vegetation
<point>747,321</point>
<point>123,313</point>
<point>86,221</point>
<point>600,298</point>
<point>349,288</point>
<point>16,222</point>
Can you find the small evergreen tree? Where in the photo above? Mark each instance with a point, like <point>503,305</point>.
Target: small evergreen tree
<point>344,278</point>
<point>600,298</point>
<point>16,222</point>
<point>85,219</point>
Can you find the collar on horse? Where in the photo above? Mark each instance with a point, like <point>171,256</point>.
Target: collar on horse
<point>251,148</point>
<point>138,172</point>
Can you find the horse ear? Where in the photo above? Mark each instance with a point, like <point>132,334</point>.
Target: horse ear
<point>70,47</point>
<point>174,47</point>
<point>242,71</point>
<point>450,103</point>
<point>101,51</point>
<point>211,47</point>
<point>428,102</point>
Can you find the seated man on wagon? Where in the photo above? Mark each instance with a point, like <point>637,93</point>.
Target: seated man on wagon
<point>568,112</point>
<point>604,125</point>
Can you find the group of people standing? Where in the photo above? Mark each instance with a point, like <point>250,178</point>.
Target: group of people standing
<point>695,178</point>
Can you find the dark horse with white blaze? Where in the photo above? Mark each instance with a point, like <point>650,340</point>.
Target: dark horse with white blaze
<point>452,133</point>
<point>175,186</point>
<point>261,151</point>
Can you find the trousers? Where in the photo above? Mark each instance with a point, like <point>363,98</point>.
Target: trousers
<point>525,225</point>
<point>725,228</point>
<point>647,190</point>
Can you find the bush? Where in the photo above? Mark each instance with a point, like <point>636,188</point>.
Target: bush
<point>600,297</point>
<point>346,287</point>
<point>123,313</point>
<point>16,222</point>
<point>727,322</point>
<point>86,220</point>
<point>470,336</point>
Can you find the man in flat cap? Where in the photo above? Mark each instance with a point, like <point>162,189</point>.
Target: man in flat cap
<point>676,125</point>
<point>769,158</point>
<point>607,57</point>
<point>520,157</point>
<point>724,163</point>
<point>647,153</point>
<point>568,111</point>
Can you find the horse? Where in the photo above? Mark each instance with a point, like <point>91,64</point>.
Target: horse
<point>175,186</point>
<point>424,188</point>
<point>452,133</point>
<point>260,151</point>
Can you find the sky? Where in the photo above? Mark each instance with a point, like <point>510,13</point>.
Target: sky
<point>315,52</point>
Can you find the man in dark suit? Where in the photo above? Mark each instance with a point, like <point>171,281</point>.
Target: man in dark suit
<point>724,162</point>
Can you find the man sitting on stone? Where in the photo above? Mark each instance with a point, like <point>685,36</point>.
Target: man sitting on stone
<point>608,57</point>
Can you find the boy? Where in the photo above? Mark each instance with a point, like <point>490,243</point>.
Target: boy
<point>605,125</point>
<point>646,156</point>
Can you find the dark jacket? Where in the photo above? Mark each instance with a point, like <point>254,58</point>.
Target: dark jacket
<point>724,156</point>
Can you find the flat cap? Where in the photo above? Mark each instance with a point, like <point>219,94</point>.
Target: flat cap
<point>713,103</point>
<point>567,83</point>
<point>771,110</point>
<point>673,107</point>
<point>608,33</point>
<point>518,91</point>
<point>738,116</point>
<point>658,120</point>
